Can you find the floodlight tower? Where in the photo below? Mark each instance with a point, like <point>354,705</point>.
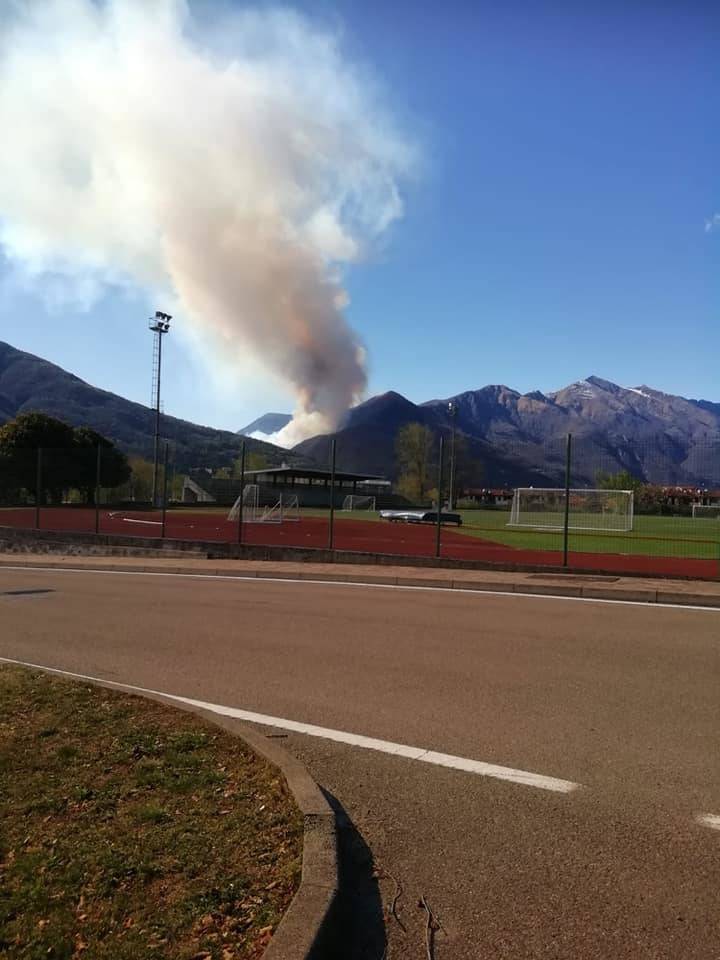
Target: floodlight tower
<point>452,413</point>
<point>159,325</point>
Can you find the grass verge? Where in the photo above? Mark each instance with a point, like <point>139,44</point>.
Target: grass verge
<point>129,830</point>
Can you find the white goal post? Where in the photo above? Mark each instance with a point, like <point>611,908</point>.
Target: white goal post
<point>250,498</point>
<point>357,502</point>
<point>286,508</point>
<point>706,511</point>
<point>543,508</point>
<point>290,507</point>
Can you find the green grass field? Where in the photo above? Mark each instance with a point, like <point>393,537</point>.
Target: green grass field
<point>650,536</point>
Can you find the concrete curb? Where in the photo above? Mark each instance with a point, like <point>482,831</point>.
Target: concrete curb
<point>628,594</point>
<point>308,929</point>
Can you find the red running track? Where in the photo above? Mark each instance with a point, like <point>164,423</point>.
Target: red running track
<point>356,535</point>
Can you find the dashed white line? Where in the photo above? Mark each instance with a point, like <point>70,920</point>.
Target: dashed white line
<point>711,820</point>
<point>477,767</point>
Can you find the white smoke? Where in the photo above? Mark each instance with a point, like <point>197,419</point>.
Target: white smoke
<point>233,172</point>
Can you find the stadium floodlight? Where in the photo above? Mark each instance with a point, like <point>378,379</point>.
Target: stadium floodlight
<point>544,508</point>
<point>159,325</point>
<point>452,412</point>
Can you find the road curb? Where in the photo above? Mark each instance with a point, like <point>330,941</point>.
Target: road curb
<point>621,593</point>
<point>308,930</point>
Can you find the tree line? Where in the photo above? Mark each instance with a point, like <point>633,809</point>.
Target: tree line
<point>69,460</point>
<point>417,450</point>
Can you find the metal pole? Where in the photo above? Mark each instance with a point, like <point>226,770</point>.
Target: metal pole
<point>242,492</point>
<point>164,494</point>
<point>451,502</point>
<point>156,454</point>
<point>452,410</point>
<point>566,523</point>
<point>38,488</point>
<point>439,498</point>
<point>331,527</point>
<point>97,489</point>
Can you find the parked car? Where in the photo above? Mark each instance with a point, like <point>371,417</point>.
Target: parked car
<point>421,516</point>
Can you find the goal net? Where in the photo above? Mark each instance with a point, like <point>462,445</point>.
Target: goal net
<point>286,508</point>
<point>544,509</point>
<point>356,502</point>
<point>250,499</point>
<point>290,508</point>
<point>703,511</point>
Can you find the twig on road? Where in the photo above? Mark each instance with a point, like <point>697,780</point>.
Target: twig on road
<point>393,907</point>
<point>398,893</point>
<point>432,925</point>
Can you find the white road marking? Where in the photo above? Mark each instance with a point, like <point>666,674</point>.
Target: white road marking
<point>477,767</point>
<point>647,604</point>
<point>711,820</point>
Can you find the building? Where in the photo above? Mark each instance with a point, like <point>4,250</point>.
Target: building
<point>311,486</point>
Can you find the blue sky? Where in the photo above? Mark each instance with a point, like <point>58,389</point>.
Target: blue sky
<point>556,227</point>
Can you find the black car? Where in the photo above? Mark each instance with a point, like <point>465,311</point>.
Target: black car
<point>421,516</point>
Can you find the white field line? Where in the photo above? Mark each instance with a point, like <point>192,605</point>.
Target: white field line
<point>711,820</point>
<point>646,604</point>
<point>114,516</point>
<point>477,767</point>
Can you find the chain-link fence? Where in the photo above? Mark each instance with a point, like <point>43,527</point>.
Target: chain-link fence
<point>83,490</point>
<point>583,503</point>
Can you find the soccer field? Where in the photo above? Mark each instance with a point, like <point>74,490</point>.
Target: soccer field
<point>680,538</point>
<point>650,536</point>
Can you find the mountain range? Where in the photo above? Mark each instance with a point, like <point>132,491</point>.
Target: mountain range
<point>29,383</point>
<point>510,438</point>
<point>656,436</point>
<point>268,424</point>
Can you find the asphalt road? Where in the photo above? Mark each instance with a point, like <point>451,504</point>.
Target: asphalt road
<point>623,700</point>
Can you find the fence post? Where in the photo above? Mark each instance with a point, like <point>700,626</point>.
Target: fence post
<point>439,498</point>
<point>38,487</point>
<point>164,493</point>
<point>242,493</point>
<point>97,489</point>
<point>331,527</point>
<point>566,522</point>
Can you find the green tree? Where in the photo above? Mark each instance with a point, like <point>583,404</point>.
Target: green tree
<point>650,497</point>
<point>69,457</point>
<point>141,479</point>
<point>254,460</point>
<point>20,440</point>
<point>114,465</point>
<point>623,480</point>
<point>414,447</point>
<point>468,469</point>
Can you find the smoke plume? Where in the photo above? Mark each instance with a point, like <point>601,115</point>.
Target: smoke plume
<point>234,166</point>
